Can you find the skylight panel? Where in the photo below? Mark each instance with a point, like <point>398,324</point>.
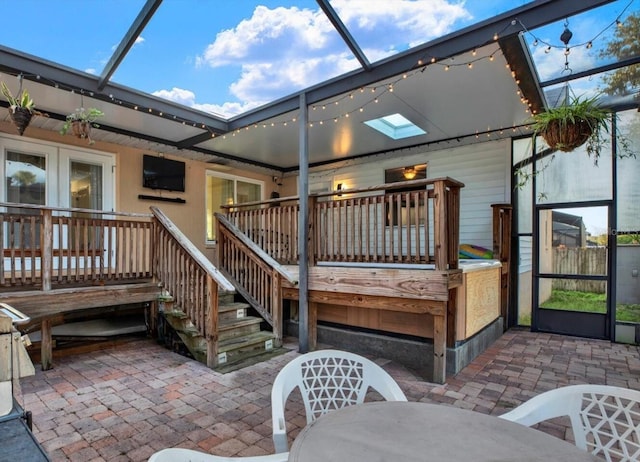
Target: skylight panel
<point>395,126</point>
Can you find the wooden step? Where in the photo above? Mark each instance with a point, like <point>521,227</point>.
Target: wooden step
<point>232,310</point>
<point>176,313</point>
<point>226,297</point>
<point>234,350</point>
<point>233,328</point>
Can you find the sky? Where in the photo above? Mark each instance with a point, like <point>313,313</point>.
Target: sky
<point>226,57</point>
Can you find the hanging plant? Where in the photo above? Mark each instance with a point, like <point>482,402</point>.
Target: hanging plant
<point>570,125</point>
<point>21,107</point>
<point>80,122</point>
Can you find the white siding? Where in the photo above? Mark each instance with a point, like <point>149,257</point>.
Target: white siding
<point>483,168</point>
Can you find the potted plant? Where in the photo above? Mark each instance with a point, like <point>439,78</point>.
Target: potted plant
<point>21,107</point>
<point>80,122</point>
<point>570,125</point>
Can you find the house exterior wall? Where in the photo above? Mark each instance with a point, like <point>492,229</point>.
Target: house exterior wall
<point>484,168</point>
<point>189,217</point>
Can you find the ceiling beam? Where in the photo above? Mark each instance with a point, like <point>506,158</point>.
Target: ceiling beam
<point>593,71</point>
<point>128,41</point>
<point>344,33</point>
<point>530,15</point>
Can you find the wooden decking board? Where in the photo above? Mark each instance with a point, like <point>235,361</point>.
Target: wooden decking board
<point>381,281</point>
<point>41,304</point>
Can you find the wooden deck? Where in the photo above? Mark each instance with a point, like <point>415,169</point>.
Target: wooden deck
<point>374,228</point>
<point>57,261</point>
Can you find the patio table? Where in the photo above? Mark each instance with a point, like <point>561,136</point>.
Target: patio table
<point>409,431</point>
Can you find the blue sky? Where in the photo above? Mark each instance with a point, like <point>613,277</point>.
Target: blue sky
<point>226,57</point>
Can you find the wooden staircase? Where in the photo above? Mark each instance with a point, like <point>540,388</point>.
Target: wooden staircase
<point>241,339</point>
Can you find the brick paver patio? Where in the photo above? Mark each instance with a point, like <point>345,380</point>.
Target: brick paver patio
<point>125,402</point>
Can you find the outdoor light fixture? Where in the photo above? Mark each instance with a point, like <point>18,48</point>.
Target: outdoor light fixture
<point>409,173</point>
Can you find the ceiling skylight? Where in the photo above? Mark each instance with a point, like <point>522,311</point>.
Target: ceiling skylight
<point>395,126</point>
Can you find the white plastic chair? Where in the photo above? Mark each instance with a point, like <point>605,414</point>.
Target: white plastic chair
<point>189,455</point>
<point>605,420</point>
<point>327,380</point>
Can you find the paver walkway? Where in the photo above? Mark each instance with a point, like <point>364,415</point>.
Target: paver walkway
<point>125,402</point>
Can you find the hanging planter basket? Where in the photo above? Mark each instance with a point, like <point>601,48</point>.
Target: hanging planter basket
<point>81,129</point>
<point>566,135</point>
<point>21,118</point>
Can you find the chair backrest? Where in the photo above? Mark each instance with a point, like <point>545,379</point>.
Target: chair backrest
<point>605,420</point>
<point>327,380</point>
<point>189,455</point>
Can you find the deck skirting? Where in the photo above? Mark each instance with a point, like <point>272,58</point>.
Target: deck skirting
<point>413,354</point>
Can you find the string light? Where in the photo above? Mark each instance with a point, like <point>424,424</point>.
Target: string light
<point>588,44</point>
<point>388,87</point>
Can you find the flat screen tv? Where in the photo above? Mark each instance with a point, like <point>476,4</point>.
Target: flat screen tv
<point>161,173</point>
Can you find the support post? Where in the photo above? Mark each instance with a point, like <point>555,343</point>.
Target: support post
<point>276,305</point>
<point>303,228</point>
<point>313,325</point>
<point>440,348</point>
<point>440,235</point>
<point>212,323</point>
<point>46,347</point>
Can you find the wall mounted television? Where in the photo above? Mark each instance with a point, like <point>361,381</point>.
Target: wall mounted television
<point>162,173</point>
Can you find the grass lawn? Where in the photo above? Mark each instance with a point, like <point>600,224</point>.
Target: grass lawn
<point>591,303</point>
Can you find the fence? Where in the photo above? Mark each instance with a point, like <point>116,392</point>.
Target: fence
<point>588,261</point>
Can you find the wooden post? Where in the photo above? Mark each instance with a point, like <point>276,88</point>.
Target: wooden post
<point>440,236</point>
<point>276,304</point>
<point>502,251</point>
<point>452,317</point>
<point>46,244</point>
<point>46,347</point>
<point>453,217</point>
<point>440,348</point>
<point>313,325</point>
<point>212,323</point>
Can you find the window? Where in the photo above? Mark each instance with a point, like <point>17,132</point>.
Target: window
<point>25,183</point>
<point>227,190</point>
<point>25,178</point>
<point>403,210</point>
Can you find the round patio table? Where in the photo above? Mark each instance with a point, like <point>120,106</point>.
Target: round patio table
<point>404,431</point>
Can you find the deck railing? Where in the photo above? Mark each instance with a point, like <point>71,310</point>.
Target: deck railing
<point>409,222</point>
<point>190,278</point>
<point>45,246</point>
<point>258,276</point>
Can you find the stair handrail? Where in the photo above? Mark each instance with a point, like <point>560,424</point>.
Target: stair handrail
<point>237,233</point>
<point>192,250</point>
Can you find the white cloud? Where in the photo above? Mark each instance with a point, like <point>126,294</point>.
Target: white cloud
<point>256,39</point>
<point>90,70</point>
<point>227,109</point>
<point>178,95</point>
<point>188,98</point>
<point>282,50</point>
<point>403,22</point>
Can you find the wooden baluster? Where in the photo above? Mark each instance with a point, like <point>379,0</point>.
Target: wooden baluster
<point>46,245</point>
